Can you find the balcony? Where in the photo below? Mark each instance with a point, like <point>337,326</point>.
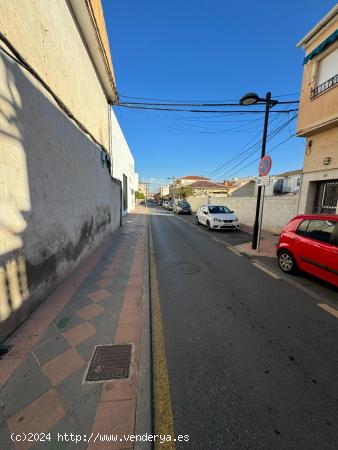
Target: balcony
<point>324,87</point>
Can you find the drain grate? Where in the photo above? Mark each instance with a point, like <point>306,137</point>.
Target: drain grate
<point>109,362</point>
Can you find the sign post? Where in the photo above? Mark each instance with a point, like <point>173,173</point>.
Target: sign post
<point>263,180</point>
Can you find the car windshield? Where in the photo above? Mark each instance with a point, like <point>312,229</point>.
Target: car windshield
<point>183,204</point>
<point>218,210</point>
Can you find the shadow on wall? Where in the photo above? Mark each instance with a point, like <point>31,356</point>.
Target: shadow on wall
<point>57,202</point>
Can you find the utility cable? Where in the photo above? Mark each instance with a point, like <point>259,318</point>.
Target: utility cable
<point>19,59</point>
<point>204,111</point>
<point>193,104</point>
<point>245,149</point>
<point>273,134</point>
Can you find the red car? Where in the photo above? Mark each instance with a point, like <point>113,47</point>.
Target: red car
<point>310,243</point>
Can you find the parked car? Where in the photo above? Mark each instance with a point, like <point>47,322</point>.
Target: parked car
<point>165,203</point>
<point>170,205</point>
<point>310,243</point>
<point>181,207</point>
<point>160,202</point>
<point>217,217</point>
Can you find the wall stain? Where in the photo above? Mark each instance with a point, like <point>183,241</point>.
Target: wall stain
<point>46,270</point>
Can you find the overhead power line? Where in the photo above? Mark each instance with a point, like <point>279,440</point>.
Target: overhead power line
<point>257,159</point>
<point>228,172</point>
<point>176,101</point>
<point>244,111</point>
<point>244,149</point>
<point>192,104</point>
<point>150,99</point>
<point>16,56</point>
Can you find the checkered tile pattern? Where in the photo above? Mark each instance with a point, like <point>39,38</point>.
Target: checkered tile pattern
<point>41,377</point>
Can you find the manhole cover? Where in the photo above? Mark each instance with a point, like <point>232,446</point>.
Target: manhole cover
<point>188,268</point>
<point>109,362</point>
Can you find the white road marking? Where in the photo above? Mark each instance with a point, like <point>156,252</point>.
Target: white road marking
<point>329,309</point>
<point>220,241</point>
<point>264,269</point>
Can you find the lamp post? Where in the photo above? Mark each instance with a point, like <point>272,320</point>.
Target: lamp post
<point>173,185</point>
<point>248,100</point>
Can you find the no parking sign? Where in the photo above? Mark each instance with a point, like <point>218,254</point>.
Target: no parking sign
<point>264,165</point>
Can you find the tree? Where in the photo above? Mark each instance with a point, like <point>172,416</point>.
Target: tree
<point>139,195</point>
<point>184,192</point>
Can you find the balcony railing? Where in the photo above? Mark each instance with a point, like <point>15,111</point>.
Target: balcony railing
<point>324,86</point>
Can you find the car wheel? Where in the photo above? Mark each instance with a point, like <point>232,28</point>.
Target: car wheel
<point>197,221</point>
<point>208,226</point>
<point>287,262</point>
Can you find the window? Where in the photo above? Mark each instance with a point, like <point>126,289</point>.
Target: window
<point>302,228</point>
<point>320,230</point>
<point>327,67</point>
<point>219,210</point>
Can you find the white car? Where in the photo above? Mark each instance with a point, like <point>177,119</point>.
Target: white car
<point>216,217</point>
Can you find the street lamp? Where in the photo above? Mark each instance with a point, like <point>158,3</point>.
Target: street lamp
<point>247,100</point>
<point>173,185</point>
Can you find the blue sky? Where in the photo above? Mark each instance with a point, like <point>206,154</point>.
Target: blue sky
<point>207,50</point>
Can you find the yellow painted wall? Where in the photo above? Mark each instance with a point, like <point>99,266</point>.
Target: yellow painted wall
<point>45,33</point>
<point>323,109</point>
<point>324,144</point>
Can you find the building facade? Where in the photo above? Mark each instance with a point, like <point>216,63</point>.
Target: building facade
<point>189,179</point>
<point>143,188</point>
<point>318,117</point>
<point>123,166</point>
<point>164,191</point>
<point>58,200</point>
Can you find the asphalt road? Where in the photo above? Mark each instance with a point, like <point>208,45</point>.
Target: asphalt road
<point>252,360</point>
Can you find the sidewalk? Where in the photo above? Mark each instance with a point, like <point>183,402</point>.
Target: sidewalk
<point>42,376</point>
<point>267,246</point>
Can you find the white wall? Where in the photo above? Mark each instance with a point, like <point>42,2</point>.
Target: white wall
<point>289,185</point>
<point>123,161</point>
<point>278,210</point>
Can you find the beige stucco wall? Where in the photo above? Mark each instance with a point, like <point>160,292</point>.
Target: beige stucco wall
<point>321,110</point>
<point>278,210</point>
<point>324,144</point>
<point>46,34</point>
<point>57,200</point>
<point>309,187</point>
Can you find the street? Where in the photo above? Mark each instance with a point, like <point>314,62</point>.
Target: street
<point>168,225</point>
<point>251,359</point>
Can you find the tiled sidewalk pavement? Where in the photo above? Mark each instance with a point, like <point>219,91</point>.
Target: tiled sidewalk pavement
<point>267,246</point>
<point>41,377</point>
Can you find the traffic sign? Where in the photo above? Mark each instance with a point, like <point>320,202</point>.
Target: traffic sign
<point>263,181</point>
<point>264,165</point>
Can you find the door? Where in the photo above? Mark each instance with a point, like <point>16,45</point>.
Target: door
<point>203,215</point>
<point>327,197</point>
<point>317,250</point>
<point>125,192</point>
